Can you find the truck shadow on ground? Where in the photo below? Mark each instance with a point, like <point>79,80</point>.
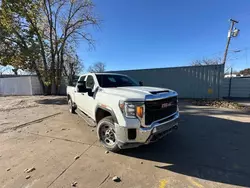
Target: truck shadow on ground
<point>209,148</point>
<point>56,101</point>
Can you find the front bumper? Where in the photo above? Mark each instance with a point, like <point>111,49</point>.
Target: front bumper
<point>155,131</point>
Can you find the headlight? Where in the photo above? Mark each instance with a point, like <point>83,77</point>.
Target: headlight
<point>132,109</point>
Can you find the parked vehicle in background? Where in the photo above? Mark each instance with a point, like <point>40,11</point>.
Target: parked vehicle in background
<point>126,113</point>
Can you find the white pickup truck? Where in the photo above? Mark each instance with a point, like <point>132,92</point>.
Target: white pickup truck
<point>126,113</point>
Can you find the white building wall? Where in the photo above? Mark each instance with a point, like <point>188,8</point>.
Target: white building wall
<point>15,86</point>
<point>36,86</point>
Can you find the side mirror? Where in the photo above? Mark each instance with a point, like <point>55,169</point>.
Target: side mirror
<point>81,87</point>
<point>90,93</point>
<point>81,82</point>
<point>141,83</point>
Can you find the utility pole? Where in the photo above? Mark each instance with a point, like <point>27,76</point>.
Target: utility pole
<point>231,33</point>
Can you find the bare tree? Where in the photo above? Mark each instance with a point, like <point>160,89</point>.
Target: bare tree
<point>72,66</point>
<point>205,61</point>
<point>66,23</point>
<point>97,67</point>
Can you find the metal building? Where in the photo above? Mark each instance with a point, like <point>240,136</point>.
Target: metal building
<point>240,87</point>
<point>189,81</point>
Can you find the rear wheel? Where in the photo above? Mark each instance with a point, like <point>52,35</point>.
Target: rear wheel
<point>106,134</point>
<point>71,107</point>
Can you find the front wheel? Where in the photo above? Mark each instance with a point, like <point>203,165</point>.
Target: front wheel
<point>106,134</point>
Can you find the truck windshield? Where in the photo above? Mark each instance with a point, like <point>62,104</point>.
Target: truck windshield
<point>112,80</point>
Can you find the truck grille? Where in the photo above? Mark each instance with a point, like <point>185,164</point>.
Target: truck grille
<point>158,109</point>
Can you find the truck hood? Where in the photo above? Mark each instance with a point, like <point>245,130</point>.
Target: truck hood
<point>138,93</point>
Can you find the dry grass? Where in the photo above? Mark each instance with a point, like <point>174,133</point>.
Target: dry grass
<point>219,104</point>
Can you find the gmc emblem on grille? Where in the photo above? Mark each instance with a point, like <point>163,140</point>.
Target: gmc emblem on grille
<point>165,105</point>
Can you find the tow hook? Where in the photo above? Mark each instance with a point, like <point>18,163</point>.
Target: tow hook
<point>176,127</point>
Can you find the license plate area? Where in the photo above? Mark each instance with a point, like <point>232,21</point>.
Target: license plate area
<point>165,127</point>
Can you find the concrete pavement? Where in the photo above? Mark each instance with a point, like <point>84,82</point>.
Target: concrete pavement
<point>210,149</point>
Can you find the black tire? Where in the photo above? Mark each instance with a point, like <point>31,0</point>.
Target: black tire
<point>71,107</point>
<point>107,121</point>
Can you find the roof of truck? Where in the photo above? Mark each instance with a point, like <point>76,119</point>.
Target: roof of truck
<point>100,73</point>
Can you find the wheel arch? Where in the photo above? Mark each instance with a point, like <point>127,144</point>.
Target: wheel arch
<point>102,112</point>
<point>73,103</point>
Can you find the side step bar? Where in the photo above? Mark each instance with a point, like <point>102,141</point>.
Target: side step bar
<point>87,119</point>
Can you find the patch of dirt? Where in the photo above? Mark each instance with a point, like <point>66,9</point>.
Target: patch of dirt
<point>17,104</point>
<point>219,104</point>
<point>20,102</point>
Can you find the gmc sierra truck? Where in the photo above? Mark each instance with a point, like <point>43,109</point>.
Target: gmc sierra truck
<point>125,113</point>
